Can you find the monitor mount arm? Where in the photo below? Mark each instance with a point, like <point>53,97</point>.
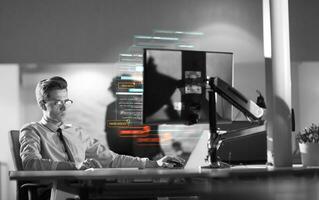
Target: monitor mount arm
<point>246,106</point>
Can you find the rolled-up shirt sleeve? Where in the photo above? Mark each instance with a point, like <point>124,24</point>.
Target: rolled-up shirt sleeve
<point>30,148</point>
<point>109,159</point>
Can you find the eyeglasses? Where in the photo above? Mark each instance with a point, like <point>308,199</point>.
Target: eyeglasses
<point>66,102</point>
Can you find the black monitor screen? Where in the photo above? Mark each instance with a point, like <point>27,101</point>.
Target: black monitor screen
<point>174,85</point>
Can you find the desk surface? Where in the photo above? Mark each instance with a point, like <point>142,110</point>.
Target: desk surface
<point>239,171</point>
<point>110,173</point>
<point>117,182</point>
<point>242,182</point>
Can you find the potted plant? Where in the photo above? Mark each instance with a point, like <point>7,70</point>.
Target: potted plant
<point>308,140</point>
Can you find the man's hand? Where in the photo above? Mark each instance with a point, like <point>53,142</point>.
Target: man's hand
<point>66,166</point>
<point>171,162</point>
<point>90,163</point>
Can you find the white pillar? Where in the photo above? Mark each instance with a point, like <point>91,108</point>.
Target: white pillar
<point>280,115</point>
<point>268,74</point>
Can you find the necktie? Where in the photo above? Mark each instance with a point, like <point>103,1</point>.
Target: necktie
<point>67,151</point>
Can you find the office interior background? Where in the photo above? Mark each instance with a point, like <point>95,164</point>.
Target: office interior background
<point>82,40</point>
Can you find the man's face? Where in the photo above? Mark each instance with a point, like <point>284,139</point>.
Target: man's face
<point>55,105</point>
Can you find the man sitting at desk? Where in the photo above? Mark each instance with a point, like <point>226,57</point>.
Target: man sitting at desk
<point>50,144</point>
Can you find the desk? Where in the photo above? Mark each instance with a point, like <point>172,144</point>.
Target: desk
<point>114,183</point>
<point>251,183</point>
<point>247,183</point>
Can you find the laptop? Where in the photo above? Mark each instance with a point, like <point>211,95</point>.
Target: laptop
<point>198,156</point>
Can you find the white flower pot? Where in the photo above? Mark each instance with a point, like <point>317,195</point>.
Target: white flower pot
<point>309,154</point>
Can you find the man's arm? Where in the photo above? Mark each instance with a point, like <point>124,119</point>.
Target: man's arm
<point>30,148</point>
<point>109,159</point>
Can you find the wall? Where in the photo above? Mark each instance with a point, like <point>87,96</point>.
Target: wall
<point>9,107</point>
<point>308,93</point>
<point>304,30</point>
<point>92,31</point>
<point>97,31</point>
<point>305,94</point>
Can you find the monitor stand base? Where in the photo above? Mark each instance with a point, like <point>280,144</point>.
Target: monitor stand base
<point>217,165</point>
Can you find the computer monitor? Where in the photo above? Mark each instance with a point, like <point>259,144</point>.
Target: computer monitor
<point>175,87</point>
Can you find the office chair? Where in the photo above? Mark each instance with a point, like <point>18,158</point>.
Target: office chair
<point>25,190</point>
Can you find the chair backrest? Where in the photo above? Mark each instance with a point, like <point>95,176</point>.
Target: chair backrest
<point>15,148</point>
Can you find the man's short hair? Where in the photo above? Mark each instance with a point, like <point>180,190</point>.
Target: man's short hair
<point>44,87</point>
